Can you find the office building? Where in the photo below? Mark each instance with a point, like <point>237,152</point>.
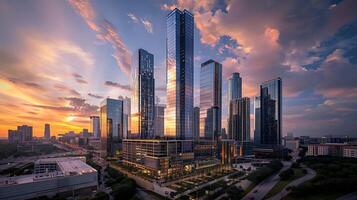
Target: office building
<point>95,126</point>
<point>66,177</point>
<point>234,87</point>
<point>210,100</point>
<point>196,123</point>
<point>21,135</point>
<point>179,66</point>
<point>239,124</point>
<point>126,116</point>
<point>47,132</point>
<point>257,124</point>
<point>111,126</point>
<point>271,112</point>
<point>350,152</point>
<point>143,105</point>
<point>159,121</point>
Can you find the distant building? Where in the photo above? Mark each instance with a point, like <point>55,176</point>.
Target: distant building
<point>196,123</point>
<point>143,99</point>
<point>95,126</point>
<point>291,144</point>
<point>47,132</point>
<point>179,67</point>
<point>271,112</point>
<point>234,87</point>
<point>159,121</point>
<point>257,124</point>
<point>210,100</point>
<point>22,134</point>
<point>328,149</point>
<point>111,126</point>
<point>350,152</point>
<point>126,116</point>
<point>66,177</point>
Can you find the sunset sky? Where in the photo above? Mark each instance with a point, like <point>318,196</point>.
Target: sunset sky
<point>60,59</point>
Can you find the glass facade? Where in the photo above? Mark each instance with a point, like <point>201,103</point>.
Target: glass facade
<point>196,123</point>
<point>271,110</point>
<point>159,120</point>
<point>143,106</point>
<point>239,123</point>
<point>94,126</point>
<point>111,123</point>
<point>257,121</point>
<point>179,80</point>
<point>210,99</point>
<point>234,87</point>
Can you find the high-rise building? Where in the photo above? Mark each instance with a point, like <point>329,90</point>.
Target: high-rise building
<point>271,112</point>
<point>47,132</point>
<point>257,120</point>
<point>126,116</point>
<point>26,131</point>
<point>234,92</point>
<point>239,123</point>
<point>159,120</point>
<point>179,66</point>
<point>95,126</point>
<point>196,123</point>
<point>143,106</point>
<point>210,99</point>
<point>234,87</point>
<point>111,125</point>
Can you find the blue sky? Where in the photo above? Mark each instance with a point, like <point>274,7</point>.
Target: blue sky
<point>59,59</point>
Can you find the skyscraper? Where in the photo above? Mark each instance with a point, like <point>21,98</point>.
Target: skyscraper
<point>179,66</point>
<point>159,120</point>
<point>257,124</point>
<point>271,110</point>
<point>26,131</point>
<point>143,106</point>
<point>239,125</point>
<point>234,92</point>
<point>126,116</point>
<point>210,99</point>
<point>234,87</point>
<point>111,125</point>
<point>95,126</point>
<point>196,123</point>
<point>47,132</point>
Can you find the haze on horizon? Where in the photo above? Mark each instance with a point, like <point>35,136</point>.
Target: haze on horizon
<point>60,59</point>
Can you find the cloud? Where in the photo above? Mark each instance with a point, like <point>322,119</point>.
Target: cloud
<point>117,85</point>
<point>105,31</point>
<point>95,96</point>
<point>67,90</point>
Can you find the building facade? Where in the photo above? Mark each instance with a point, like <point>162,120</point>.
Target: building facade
<point>143,86</point>
<point>159,120</point>
<point>196,123</point>
<point>210,99</point>
<point>95,126</point>
<point>111,126</point>
<point>271,112</point>
<point>257,124</point>
<point>21,134</point>
<point>234,87</point>
<point>179,66</point>
<point>47,132</point>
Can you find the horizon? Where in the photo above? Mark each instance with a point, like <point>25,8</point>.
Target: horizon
<point>60,59</point>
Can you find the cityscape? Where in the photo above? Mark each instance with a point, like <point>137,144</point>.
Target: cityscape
<point>178,99</point>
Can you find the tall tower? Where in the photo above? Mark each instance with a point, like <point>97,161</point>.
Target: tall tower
<point>234,92</point>
<point>271,110</point>
<point>143,106</point>
<point>210,99</point>
<point>257,123</point>
<point>47,132</point>
<point>179,67</point>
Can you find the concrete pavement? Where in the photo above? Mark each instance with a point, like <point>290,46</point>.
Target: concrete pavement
<point>265,186</point>
<point>310,174</point>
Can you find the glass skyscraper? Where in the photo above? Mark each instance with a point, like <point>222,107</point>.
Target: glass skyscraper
<point>239,123</point>
<point>271,110</point>
<point>111,125</point>
<point>257,124</point>
<point>234,87</point>
<point>196,123</point>
<point>95,126</point>
<point>143,105</point>
<point>179,67</point>
<point>210,99</point>
<point>159,120</point>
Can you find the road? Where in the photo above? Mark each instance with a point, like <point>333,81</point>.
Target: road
<point>265,186</point>
<point>310,174</point>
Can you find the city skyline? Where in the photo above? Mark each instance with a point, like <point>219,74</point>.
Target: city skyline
<point>65,77</point>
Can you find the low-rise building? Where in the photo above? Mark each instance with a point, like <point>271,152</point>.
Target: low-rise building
<point>66,176</point>
<point>328,149</point>
<point>350,152</point>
